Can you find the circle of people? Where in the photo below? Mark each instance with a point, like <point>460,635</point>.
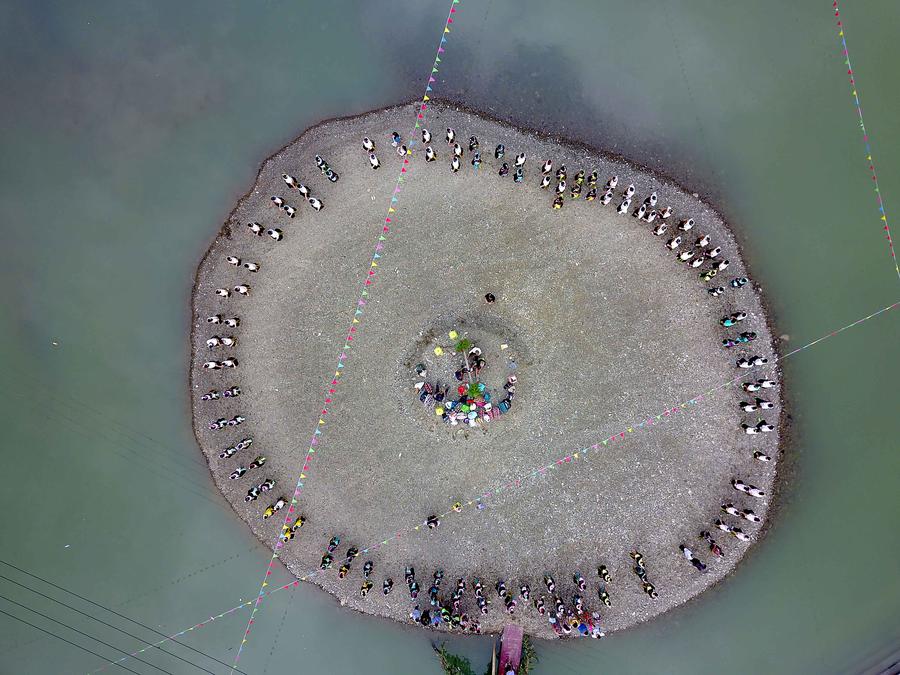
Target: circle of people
<point>474,404</point>
<point>565,619</point>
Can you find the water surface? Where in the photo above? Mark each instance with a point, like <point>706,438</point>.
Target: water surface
<point>128,129</point>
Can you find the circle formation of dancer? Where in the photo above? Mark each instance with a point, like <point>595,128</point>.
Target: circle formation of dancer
<point>243,263</point>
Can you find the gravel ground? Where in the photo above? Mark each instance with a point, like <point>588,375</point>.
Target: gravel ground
<point>605,330</point>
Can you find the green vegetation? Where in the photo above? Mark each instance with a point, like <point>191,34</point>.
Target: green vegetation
<point>459,665</point>
<point>453,664</point>
<point>529,656</point>
<point>464,345</point>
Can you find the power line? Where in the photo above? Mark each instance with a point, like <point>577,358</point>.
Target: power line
<point>111,434</point>
<point>177,456</point>
<point>314,572</point>
<point>111,611</point>
<point>131,635</point>
<point>90,637</point>
<point>160,470</point>
<point>44,392</point>
<point>59,637</point>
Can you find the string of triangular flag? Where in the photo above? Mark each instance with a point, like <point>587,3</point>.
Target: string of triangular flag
<point>865,134</point>
<point>561,462</point>
<point>359,310</point>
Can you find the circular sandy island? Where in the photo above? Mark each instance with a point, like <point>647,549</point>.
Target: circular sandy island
<point>604,329</point>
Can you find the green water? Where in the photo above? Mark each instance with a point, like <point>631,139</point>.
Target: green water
<point>128,129</point>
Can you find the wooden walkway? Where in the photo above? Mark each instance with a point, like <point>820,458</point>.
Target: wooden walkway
<point>510,648</point>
